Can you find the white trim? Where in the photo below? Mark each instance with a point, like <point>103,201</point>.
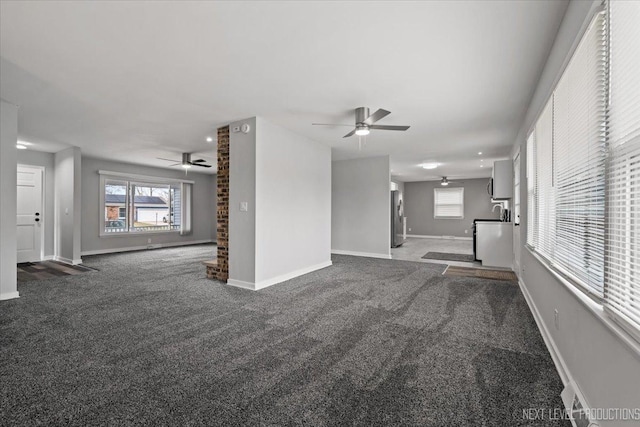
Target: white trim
<point>278,279</point>
<point>139,248</point>
<point>48,258</point>
<point>9,295</point>
<point>145,178</point>
<point>363,254</point>
<point>423,236</point>
<point>67,260</point>
<point>558,361</point>
<point>241,284</point>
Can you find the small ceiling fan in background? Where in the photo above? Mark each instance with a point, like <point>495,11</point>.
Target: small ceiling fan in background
<point>365,122</point>
<point>445,181</point>
<point>187,162</point>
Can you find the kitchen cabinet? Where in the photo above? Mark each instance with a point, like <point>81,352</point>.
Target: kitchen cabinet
<point>494,243</point>
<point>502,180</point>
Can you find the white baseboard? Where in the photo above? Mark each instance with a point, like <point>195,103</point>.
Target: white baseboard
<point>9,295</point>
<point>241,284</point>
<point>67,260</point>
<point>48,258</point>
<point>558,361</point>
<point>423,236</point>
<point>140,248</point>
<point>278,279</point>
<point>363,254</point>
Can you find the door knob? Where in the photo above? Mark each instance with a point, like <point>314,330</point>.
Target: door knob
<point>37,219</point>
<point>37,213</point>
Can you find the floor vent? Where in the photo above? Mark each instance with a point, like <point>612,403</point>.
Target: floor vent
<point>575,404</point>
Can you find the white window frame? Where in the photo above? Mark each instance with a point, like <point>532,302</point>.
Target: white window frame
<point>186,215</point>
<point>449,190</point>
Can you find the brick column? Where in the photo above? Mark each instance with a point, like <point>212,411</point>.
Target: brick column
<point>222,215</point>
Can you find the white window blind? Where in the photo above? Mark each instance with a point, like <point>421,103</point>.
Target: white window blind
<point>532,196</point>
<point>546,191</point>
<point>622,272</point>
<point>579,141</point>
<point>448,202</point>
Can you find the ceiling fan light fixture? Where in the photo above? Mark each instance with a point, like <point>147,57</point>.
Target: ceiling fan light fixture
<point>362,130</point>
<point>186,165</point>
<point>444,181</point>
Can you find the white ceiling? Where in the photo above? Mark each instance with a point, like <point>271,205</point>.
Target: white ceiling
<point>132,81</point>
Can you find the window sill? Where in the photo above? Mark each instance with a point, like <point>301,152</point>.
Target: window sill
<point>139,233</point>
<point>594,307</point>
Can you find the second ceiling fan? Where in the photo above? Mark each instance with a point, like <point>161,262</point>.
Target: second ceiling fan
<point>365,122</point>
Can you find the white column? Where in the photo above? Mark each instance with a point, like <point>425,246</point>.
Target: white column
<point>8,185</point>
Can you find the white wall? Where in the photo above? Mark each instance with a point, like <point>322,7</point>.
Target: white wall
<point>8,184</point>
<point>203,221</point>
<point>293,203</point>
<point>45,160</point>
<point>602,360</point>
<point>361,207</point>
<point>242,188</point>
<point>285,179</point>
<point>68,204</point>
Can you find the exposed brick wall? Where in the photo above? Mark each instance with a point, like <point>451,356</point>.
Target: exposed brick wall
<point>222,215</point>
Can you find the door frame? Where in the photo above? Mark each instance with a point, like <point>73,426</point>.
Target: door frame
<point>44,214</point>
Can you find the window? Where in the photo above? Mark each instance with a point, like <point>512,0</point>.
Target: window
<point>143,205</point>
<point>583,167</point>
<point>622,257</point>
<point>448,203</point>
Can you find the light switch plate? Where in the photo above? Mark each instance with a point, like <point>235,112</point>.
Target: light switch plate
<point>244,206</point>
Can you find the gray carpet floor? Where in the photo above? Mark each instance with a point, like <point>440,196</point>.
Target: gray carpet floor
<point>147,340</point>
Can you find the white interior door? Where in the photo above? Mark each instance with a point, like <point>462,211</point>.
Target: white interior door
<point>29,220</point>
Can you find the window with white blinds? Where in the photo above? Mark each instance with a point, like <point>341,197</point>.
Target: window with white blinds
<point>448,203</point>
<point>622,265</point>
<point>532,195</point>
<point>544,176</point>
<point>579,142</point>
<point>566,166</point>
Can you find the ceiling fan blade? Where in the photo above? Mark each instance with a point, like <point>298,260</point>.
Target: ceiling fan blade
<point>350,134</point>
<point>200,164</point>
<point>330,124</point>
<point>388,127</point>
<point>175,164</point>
<point>198,161</point>
<point>376,116</point>
<point>168,160</point>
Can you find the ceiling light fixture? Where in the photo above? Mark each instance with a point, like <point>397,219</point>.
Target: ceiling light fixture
<point>209,139</point>
<point>479,153</point>
<point>186,166</point>
<point>21,147</point>
<point>432,165</point>
<point>444,181</point>
<point>362,130</point>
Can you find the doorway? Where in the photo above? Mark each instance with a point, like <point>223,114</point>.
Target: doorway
<point>29,203</point>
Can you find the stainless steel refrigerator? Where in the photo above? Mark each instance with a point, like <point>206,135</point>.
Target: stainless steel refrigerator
<point>397,214</point>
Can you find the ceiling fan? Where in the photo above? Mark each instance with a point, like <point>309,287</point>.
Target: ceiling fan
<point>187,162</point>
<point>365,122</point>
<point>445,181</point>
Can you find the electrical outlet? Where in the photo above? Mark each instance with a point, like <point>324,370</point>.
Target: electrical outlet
<point>409,229</point>
<point>556,319</point>
<point>149,240</point>
<point>466,231</point>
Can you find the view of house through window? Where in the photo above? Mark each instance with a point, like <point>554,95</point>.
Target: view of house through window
<point>141,207</point>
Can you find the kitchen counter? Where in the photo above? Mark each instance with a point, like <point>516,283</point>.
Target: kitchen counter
<point>494,243</point>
